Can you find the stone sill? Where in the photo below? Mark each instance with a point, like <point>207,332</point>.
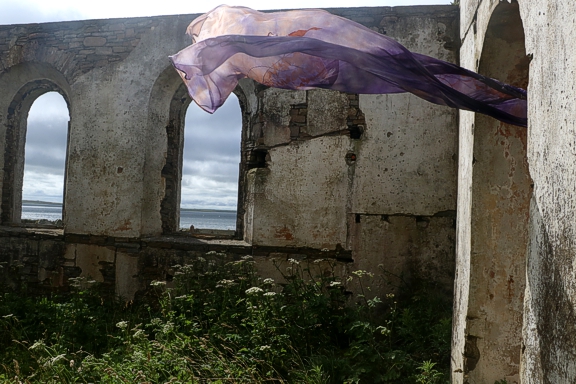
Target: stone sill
<point>175,242</point>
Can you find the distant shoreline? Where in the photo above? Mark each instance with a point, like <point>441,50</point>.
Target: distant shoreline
<point>51,204</point>
<point>38,202</point>
<point>206,210</point>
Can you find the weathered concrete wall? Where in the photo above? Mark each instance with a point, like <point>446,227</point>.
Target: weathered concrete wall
<point>367,180</point>
<point>338,166</point>
<point>550,305</point>
<point>516,193</point>
<point>105,69</point>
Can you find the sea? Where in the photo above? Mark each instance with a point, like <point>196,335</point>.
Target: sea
<point>202,219</point>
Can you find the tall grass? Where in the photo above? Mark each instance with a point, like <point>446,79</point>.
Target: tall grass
<point>220,322</point>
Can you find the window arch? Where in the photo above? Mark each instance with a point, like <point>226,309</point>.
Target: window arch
<point>45,158</point>
<point>14,147</point>
<point>168,106</point>
<point>501,193</point>
<point>210,167</point>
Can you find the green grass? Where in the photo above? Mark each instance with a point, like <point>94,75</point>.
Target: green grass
<point>222,323</point>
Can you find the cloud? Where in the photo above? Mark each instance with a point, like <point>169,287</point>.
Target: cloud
<point>43,186</point>
<point>211,153</point>
<point>45,152</point>
<point>37,11</point>
<point>212,156</point>
<point>203,192</point>
<point>24,12</point>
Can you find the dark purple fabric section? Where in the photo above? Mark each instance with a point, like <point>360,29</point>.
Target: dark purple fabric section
<point>384,69</point>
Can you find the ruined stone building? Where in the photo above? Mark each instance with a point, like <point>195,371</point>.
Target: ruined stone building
<point>375,182</point>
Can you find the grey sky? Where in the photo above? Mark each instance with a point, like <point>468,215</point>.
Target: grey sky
<point>212,142</point>
<point>211,153</point>
<point>211,156</point>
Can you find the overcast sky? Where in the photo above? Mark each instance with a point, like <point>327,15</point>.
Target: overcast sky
<point>212,142</point>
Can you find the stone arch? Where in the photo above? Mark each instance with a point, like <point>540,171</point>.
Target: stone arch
<point>501,193</point>
<point>23,84</point>
<point>168,105</point>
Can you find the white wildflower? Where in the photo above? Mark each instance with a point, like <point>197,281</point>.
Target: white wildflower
<point>293,261</point>
<point>264,347</point>
<point>268,280</point>
<point>247,257</point>
<point>225,283</point>
<point>139,334</point>
<point>254,290</point>
<point>168,327</point>
<point>325,250</point>
<point>122,324</point>
<point>156,283</point>
<point>335,283</point>
<point>361,273</point>
<point>201,259</point>
<point>270,294</point>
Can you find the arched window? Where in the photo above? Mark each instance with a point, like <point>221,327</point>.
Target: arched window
<point>209,187</point>
<point>30,81</point>
<point>45,159</point>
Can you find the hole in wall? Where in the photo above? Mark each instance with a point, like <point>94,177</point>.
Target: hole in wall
<point>258,158</point>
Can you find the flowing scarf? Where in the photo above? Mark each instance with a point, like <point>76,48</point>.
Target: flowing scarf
<point>307,49</point>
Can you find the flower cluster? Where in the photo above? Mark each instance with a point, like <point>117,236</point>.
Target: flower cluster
<point>254,290</point>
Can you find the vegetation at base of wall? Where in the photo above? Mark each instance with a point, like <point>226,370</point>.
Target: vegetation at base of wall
<point>223,323</point>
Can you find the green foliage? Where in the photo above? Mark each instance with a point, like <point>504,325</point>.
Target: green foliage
<point>221,322</point>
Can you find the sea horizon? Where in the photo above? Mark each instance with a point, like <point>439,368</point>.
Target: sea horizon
<point>201,218</point>
<point>50,203</point>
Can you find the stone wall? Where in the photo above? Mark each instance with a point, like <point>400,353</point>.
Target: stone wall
<point>385,189</point>
<point>366,180</point>
<point>514,296</point>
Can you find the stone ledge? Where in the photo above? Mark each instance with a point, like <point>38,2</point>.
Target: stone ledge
<point>180,243</point>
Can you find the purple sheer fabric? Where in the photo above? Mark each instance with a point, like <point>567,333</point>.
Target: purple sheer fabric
<point>314,49</point>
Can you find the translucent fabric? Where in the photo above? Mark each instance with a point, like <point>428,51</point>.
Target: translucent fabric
<point>307,49</point>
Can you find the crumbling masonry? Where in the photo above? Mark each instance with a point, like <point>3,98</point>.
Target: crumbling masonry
<point>373,182</point>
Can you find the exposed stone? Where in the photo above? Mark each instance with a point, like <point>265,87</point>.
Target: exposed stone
<point>94,41</point>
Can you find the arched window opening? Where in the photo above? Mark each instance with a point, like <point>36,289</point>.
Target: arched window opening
<point>210,169</point>
<point>45,160</point>
<point>501,193</point>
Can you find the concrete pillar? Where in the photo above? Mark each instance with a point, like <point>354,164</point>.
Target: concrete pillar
<point>495,206</point>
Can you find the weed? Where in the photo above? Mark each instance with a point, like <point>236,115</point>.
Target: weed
<point>222,322</point>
